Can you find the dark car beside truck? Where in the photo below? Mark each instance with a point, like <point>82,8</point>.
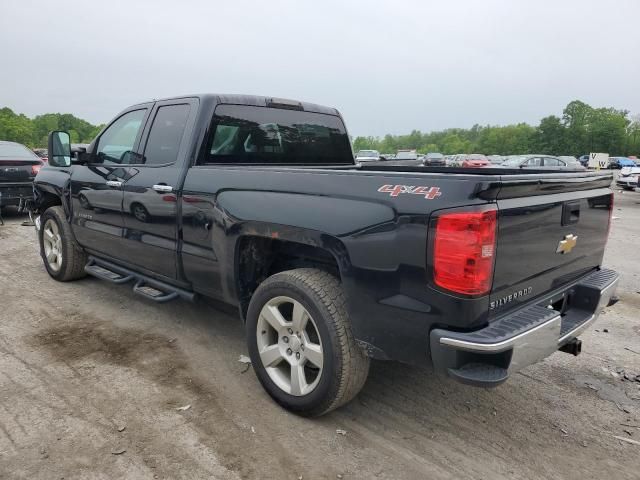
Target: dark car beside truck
<point>18,167</point>
<point>257,202</point>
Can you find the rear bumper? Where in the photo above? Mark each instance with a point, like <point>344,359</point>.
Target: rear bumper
<point>13,193</point>
<point>488,356</point>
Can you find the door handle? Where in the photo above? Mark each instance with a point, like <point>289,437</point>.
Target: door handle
<point>163,188</point>
<point>114,183</point>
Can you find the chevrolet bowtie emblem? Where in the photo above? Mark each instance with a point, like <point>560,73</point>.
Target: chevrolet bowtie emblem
<point>566,245</point>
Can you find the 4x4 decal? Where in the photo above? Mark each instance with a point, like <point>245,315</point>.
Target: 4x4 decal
<point>394,190</point>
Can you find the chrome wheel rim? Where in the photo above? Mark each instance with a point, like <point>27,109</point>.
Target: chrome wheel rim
<point>52,245</point>
<point>289,346</point>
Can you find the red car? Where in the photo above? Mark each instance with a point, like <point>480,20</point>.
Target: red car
<point>475,160</point>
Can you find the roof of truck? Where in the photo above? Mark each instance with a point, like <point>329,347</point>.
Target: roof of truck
<point>255,100</point>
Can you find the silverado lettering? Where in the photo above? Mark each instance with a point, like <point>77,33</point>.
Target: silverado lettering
<point>510,298</point>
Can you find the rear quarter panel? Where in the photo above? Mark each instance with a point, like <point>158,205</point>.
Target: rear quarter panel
<point>378,240</point>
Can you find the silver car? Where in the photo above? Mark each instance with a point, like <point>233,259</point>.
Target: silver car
<point>539,162</point>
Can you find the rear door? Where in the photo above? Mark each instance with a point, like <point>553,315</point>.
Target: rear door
<point>150,206</point>
<point>97,187</point>
<point>547,240</point>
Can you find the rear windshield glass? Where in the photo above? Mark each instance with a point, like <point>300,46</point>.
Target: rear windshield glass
<point>15,151</point>
<point>261,135</point>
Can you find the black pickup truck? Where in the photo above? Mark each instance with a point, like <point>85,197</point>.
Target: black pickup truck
<point>257,202</point>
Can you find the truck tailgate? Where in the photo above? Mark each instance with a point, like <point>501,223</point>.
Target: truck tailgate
<point>550,232</point>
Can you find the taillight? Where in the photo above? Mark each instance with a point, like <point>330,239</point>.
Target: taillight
<point>464,251</point>
<point>35,169</point>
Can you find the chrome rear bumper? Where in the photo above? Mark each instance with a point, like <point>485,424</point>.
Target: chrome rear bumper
<point>488,356</point>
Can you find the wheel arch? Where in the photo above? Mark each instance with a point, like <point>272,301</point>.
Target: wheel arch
<point>260,254</point>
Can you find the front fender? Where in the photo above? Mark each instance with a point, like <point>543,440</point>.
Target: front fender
<point>50,187</point>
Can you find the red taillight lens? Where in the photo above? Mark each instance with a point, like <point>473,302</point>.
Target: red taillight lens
<point>35,169</point>
<point>464,251</point>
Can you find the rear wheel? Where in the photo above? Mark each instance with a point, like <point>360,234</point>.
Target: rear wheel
<point>63,258</point>
<point>300,342</point>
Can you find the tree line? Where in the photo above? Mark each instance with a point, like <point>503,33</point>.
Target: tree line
<point>33,131</point>
<point>581,129</point>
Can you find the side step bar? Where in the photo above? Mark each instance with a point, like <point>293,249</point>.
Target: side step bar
<point>147,287</point>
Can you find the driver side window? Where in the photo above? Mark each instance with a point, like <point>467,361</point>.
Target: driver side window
<point>116,143</point>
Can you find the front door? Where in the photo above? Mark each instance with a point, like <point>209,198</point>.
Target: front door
<point>150,204</point>
<point>97,188</point>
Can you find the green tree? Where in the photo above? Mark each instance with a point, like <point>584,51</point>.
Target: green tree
<point>551,137</point>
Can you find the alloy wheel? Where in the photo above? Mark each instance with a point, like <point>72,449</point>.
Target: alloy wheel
<point>289,346</point>
<point>52,241</point>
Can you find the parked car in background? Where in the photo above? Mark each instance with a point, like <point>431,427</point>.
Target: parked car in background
<point>571,161</point>
<point>621,162</point>
<point>42,153</point>
<point>475,160</point>
<point>406,155</point>
<point>496,159</point>
<point>435,160</point>
<point>18,167</point>
<point>628,178</point>
<point>368,156</point>
<point>584,160</point>
<point>540,161</point>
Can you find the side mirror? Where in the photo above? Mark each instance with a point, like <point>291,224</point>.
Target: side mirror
<point>383,158</point>
<point>59,144</point>
<point>131,158</point>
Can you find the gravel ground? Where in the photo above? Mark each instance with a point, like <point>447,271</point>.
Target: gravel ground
<point>92,378</point>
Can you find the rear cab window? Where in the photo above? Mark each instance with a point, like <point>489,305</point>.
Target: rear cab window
<point>243,134</point>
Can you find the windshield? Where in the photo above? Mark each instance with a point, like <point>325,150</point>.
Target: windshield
<point>262,135</point>
<point>368,153</point>
<point>15,151</point>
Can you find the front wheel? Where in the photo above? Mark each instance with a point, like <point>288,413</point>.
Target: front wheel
<point>63,258</point>
<point>300,342</point>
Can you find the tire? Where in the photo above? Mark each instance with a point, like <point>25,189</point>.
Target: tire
<point>344,366</point>
<point>140,212</point>
<point>68,259</point>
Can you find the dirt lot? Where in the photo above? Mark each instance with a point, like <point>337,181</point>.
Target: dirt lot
<point>92,378</point>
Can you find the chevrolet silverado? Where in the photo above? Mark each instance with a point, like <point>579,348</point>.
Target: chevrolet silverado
<point>257,202</point>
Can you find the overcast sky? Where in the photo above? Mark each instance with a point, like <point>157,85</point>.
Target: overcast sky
<point>389,67</point>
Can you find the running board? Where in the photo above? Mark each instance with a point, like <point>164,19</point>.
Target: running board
<point>147,287</point>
